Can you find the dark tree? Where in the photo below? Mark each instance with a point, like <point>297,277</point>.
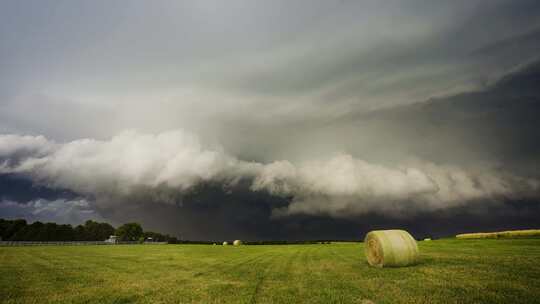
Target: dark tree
<point>129,232</point>
<point>94,231</point>
<point>19,230</point>
<point>80,233</point>
<point>104,231</point>
<point>9,228</point>
<point>158,237</point>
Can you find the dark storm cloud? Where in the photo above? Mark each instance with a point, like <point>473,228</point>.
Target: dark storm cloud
<point>271,119</point>
<point>171,182</point>
<point>497,125</point>
<point>176,162</point>
<point>58,211</point>
<point>22,198</point>
<point>213,214</point>
<point>193,65</point>
<point>19,189</point>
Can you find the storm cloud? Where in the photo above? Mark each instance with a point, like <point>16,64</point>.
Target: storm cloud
<point>175,162</point>
<point>269,118</point>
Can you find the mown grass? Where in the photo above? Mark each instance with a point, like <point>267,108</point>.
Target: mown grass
<point>451,271</point>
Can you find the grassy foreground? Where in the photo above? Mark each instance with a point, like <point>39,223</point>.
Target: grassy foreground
<point>451,271</point>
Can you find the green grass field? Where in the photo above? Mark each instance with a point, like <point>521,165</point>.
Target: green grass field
<point>451,271</point>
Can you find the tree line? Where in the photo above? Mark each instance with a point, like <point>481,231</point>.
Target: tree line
<point>20,230</point>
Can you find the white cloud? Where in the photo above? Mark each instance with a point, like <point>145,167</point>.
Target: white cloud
<point>175,159</point>
<point>339,186</point>
<point>344,185</point>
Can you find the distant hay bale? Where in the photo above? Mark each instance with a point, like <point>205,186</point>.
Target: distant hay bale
<point>529,233</point>
<point>225,243</point>
<point>390,248</point>
<point>480,235</point>
<point>427,239</point>
<point>237,243</point>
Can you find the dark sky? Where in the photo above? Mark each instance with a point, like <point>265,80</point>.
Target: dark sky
<point>272,120</point>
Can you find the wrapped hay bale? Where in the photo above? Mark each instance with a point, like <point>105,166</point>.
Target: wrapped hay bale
<point>225,243</point>
<point>237,243</point>
<point>427,239</point>
<point>390,248</point>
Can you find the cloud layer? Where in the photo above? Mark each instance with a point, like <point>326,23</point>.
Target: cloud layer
<point>175,159</point>
<point>338,186</point>
<point>344,186</point>
<point>59,211</point>
<point>280,111</point>
<point>221,69</point>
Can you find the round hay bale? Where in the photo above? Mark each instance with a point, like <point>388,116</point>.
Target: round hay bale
<point>225,243</point>
<point>390,248</point>
<point>237,243</point>
<point>427,239</point>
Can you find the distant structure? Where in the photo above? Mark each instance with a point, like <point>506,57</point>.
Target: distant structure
<point>237,243</point>
<point>225,243</point>
<point>113,239</point>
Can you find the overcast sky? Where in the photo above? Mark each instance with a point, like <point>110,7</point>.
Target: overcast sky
<point>271,118</point>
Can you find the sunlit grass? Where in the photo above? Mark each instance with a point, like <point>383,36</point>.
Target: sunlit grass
<point>450,271</point>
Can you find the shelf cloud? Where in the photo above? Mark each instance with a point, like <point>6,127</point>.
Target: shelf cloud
<point>273,119</point>
<point>339,186</point>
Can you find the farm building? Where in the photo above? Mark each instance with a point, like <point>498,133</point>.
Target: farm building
<point>113,239</point>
